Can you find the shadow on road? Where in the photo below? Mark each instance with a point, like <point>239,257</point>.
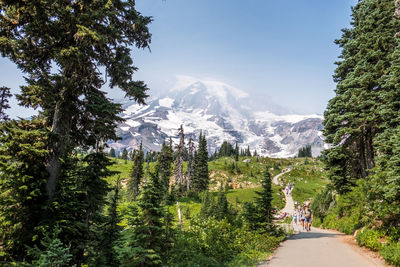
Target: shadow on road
<point>310,235</point>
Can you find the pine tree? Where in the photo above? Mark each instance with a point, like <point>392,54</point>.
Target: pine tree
<point>190,164</point>
<point>353,117</point>
<point>54,254</point>
<point>4,99</point>
<point>81,203</point>
<point>110,232</point>
<point>179,151</point>
<point>226,150</point>
<point>146,240</point>
<point>22,185</point>
<point>124,155</point>
<point>201,178</point>
<point>264,199</point>
<point>236,152</point>
<point>163,167</point>
<point>222,205</point>
<point>77,112</point>
<point>248,152</point>
<point>136,174</point>
<point>207,205</point>
<point>112,153</point>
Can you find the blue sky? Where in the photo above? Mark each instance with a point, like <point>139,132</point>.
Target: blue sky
<point>280,50</point>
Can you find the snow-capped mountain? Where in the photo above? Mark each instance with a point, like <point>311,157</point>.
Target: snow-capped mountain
<point>222,112</point>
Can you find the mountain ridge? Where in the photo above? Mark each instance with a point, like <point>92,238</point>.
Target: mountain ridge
<point>223,113</point>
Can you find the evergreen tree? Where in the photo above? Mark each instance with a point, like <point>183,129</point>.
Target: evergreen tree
<point>384,187</point>
<point>222,205</point>
<point>236,152</point>
<point>201,178</point>
<point>190,164</point>
<point>264,200</point>
<point>136,174</point>
<point>124,155</point>
<point>179,151</point>
<point>112,153</point>
<point>146,240</point>
<point>251,215</point>
<point>55,253</point>
<point>110,232</point>
<point>226,150</point>
<point>77,112</point>
<point>4,98</point>
<point>163,167</point>
<point>353,117</point>
<point>22,185</point>
<point>305,152</point>
<point>78,207</point>
<point>248,152</point>
<point>207,205</point>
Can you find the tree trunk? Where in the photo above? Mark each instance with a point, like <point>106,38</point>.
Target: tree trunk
<point>369,150</point>
<point>60,128</point>
<point>361,151</point>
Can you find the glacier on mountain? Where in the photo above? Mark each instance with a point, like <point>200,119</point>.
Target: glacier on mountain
<point>222,112</point>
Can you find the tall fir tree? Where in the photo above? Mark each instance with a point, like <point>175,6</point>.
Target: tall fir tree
<point>236,152</point>
<point>353,117</point>
<point>163,166</point>
<point>112,153</point>
<point>146,239</point>
<point>136,174</point>
<point>264,199</point>
<point>88,36</point>
<point>190,164</point>
<point>179,154</point>
<point>79,204</point>
<point>384,187</point>
<point>79,38</point>
<point>22,185</point>
<point>124,154</point>
<point>110,232</point>
<point>201,178</point>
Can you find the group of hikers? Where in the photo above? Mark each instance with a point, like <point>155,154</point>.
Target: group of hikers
<point>303,216</point>
<point>289,188</point>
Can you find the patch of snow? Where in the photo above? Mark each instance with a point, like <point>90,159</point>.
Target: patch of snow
<point>268,116</point>
<point>166,102</point>
<point>132,123</point>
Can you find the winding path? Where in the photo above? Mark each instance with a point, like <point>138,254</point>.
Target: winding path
<point>289,207</point>
<point>319,248</point>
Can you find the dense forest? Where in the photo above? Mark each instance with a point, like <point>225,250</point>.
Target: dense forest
<point>362,125</point>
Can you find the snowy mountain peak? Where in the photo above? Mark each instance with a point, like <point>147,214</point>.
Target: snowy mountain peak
<point>223,113</point>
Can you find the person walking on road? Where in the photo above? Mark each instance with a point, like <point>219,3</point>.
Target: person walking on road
<point>308,218</point>
<point>303,218</point>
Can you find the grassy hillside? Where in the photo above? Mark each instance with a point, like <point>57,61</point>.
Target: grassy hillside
<point>242,178</point>
<point>309,177</point>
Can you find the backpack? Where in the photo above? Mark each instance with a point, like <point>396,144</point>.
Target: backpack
<point>308,214</point>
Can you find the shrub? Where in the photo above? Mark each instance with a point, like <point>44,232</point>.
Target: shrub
<point>317,222</point>
<point>391,253</point>
<point>369,238</point>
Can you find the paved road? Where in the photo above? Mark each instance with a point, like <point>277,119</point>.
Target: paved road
<point>318,248</point>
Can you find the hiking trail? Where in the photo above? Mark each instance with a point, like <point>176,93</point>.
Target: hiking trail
<point>317,248</point>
